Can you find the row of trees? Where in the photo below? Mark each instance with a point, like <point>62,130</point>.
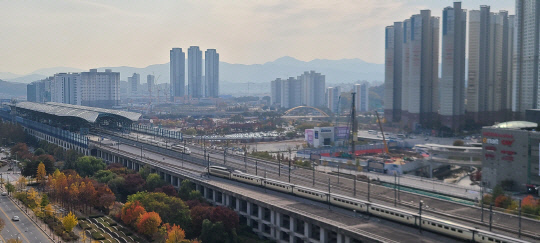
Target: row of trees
<point>529,205</point>
<point>75,192</point>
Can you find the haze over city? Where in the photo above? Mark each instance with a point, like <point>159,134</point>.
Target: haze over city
<point>270,121</point>
<point>89,34</point>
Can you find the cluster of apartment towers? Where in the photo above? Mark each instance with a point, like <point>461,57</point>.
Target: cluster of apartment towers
<point>199,86</point>
<point>308,89</point>
<point>502,76</point>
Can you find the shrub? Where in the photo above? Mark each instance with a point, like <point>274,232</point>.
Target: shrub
<point>97,236</point>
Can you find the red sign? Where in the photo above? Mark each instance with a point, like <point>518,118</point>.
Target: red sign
<point>508,152</point>
<point>492,134</point>
<point>508,158</point>
<point>507,142</point>
<point>492,148</point>
<point>489,156</point>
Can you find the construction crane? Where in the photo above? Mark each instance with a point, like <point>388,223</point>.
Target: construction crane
<point>382,131</point>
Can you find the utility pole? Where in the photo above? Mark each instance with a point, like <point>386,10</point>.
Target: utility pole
<point>490,214</point>
<point>338,174</point>
<point>519,226</point>
<point>395,189</point>
<point>420,215</point>
<point>279,164</point>
<point>245,158</point>
<point>354,128</point>
<point>328,199</point>
<point>354,189</point>
<point>368,187</point>
<point>482,201</point>
<point>313,174</point>
<point>256,167</point>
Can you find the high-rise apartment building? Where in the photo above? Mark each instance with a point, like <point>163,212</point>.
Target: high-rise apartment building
<point>362,97</point>
<point>275,87</point>
<point>332,99</point>
<point>100,89</point>
<point>312,88</point>
<point>211,73</point>
<point>393,71</point>
<point>67,88</point>
<point>307,89</point>
<point>291,93</point>
<point>452,84</point>
<point>134,82</point>
<point>178,73</point>
<point>489,66</point>
<point>421,40</point>
<point>39,91</point>
<point>150,83</point>
<point>526,62</point>
<point>195,84</point>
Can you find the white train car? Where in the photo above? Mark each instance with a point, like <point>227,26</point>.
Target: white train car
<point>448,228</point>
<point>394,214</point>
<point>219,172</point>
<point>310,193</point>
<point>348,202</point>
<point>247,178</point>
<point>278,185</point>
<point>489,237</point>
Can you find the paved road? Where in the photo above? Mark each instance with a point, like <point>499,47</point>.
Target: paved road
<point>25,229</point>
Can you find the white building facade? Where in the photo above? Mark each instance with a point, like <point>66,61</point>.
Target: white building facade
<point>332,99</point>
<point>66,88</point>
<point>211,73</point>
<point>195,83</point>
<point>177,72</point>
<point>362,97</point>
<point>452,85</point>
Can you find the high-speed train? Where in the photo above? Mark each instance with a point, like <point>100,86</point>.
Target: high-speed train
<point>445,227</point>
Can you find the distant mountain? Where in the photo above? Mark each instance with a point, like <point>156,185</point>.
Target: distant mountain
<point>336,71</point>
<point>8,75</point>
<point>27,78</point>
<point>344,70</point>
<point>51,71</point>
<point>11,89</point>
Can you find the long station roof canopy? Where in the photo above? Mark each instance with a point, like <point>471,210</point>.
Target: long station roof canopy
<point>87,113</point>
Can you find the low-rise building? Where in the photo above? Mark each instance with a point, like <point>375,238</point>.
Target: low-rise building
<point>510,155</point>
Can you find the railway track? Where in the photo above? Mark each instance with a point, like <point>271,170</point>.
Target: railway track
<point>344,188</point>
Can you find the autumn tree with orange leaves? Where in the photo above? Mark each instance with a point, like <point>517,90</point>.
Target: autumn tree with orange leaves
<point>131,212</point>
<point>148,223</point>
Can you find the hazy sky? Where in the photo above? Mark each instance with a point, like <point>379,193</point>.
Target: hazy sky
<point>87,34</point>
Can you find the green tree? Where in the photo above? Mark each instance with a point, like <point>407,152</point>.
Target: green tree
<point>145,171</point>
<point>172,209</point>
<point>153,181</point>
<point>44,200</point>
<point>459,143</point>
<point>497,191</point>
<point>88,165</point>
<point>104,176</point>
<point>185,188</point>
<point>70,159</point>
<point>216,233</point>
<point>39,152</point>
<point>10,188</point>
<point>59,153</point>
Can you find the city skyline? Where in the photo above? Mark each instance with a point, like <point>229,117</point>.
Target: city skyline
<point>292,27</point>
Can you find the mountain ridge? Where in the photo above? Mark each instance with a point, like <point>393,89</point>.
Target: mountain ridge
<point>342,70</point>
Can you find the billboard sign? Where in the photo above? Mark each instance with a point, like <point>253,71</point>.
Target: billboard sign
<point>341,133</point>
<point>309,136</point>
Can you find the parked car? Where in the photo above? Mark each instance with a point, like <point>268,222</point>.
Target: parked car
<point>4,193</point>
